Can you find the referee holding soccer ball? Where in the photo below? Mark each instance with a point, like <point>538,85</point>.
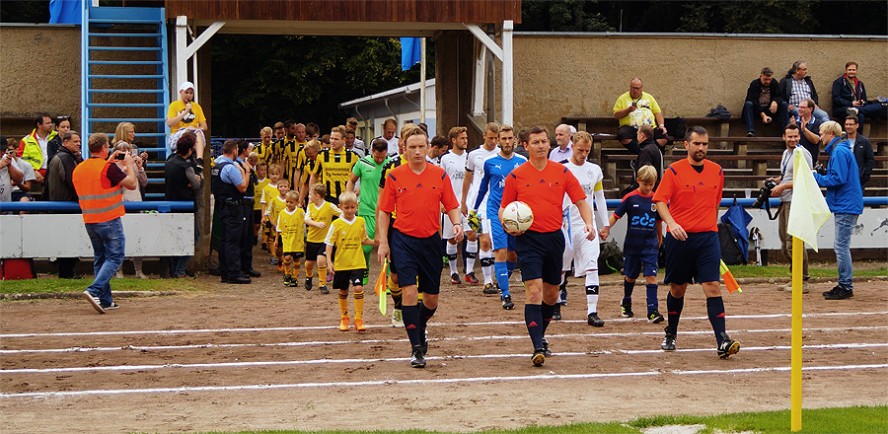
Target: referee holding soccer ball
<point>542,184</point>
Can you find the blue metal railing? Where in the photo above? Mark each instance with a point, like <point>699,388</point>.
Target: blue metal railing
<point>161,206</point>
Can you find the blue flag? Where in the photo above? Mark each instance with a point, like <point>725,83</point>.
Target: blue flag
<point>411,53</point>
<point>65,11</point>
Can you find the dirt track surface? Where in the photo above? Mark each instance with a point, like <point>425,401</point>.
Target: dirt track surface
<point>263,356</point>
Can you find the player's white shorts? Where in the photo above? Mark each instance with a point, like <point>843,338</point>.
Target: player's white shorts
<point>577,248</point>
<point>447,227</point>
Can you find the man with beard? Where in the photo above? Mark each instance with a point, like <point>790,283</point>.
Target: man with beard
<point>688,200</point>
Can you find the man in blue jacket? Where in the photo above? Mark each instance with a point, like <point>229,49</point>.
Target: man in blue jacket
<point>844,196</point>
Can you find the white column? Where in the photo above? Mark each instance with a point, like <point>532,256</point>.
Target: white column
<point>508,81</point>
<point>422,82</point>
<point>181,54</point>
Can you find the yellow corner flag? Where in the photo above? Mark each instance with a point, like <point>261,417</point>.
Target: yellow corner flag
<point>809,210</point>
<point>379,288</point>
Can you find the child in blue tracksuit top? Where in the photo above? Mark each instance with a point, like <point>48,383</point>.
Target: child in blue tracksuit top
<point>641,246</point>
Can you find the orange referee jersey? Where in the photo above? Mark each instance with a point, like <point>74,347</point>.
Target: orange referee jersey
<point>418,199</point>
<point>542,190</point>
<point>693,198</point>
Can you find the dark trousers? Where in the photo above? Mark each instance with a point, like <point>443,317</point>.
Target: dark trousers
<point>232,230</point>
<point>751,111</point>
<point>247,238</point>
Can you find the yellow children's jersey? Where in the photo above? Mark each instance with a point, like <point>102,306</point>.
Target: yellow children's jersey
<point>257,199</point>
<point>347,237</point>
<point>323,213</point>
<point>274,208</point>
<point>291,226</point>
<point>269,192</point>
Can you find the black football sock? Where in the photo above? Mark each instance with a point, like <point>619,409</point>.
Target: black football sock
<point>674,306</point>
<point>715,307</point>
<point>533,317</point>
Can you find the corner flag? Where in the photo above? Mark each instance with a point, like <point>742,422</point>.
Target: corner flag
<point>809,210</point>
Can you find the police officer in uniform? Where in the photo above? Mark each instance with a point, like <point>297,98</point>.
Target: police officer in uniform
<point>247,240</point>
<point>229,182</point>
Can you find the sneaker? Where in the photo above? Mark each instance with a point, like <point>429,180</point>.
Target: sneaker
<point>507,303</point>
<point>546,351</point>
<point>454,279</point>
<point>668,341</point>
<point>556,315</point>
<point>308,284</point>
<point>655,317</point>
<point>470,278</point>
<point>727,347</point>
<point>852,111</point>
<point>94,301</point>
<point>489,289</point>
<point>324,290</point>
<point>397,318</point>
<point>594,320</point>
<point>539,357</point>
<point>119,274</point>
<point>750,134</point>
<point>626,311</point>
<point>112,306</point>
<point>141,275</point>
<point>359,326</point>
<point>343,324</point>
<point>805,289</point>
<point>417,360</point>
<point>838,293</point>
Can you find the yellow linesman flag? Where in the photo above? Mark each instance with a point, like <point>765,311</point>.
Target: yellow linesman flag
<point>809,210</point>
<point>379,287</point>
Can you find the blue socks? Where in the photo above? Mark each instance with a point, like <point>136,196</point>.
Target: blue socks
<point>502,277</point>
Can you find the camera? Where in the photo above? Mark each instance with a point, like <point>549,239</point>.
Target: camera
<point>120,156</point>
<point>820,168</point>
<point>764,193</point>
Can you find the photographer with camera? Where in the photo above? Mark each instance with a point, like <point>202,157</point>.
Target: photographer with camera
<point>783,190</point>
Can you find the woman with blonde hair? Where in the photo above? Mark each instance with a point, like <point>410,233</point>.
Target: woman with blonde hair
<point>123,138</point>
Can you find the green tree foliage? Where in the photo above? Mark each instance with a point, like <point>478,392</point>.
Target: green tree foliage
<point>24,11</point>
<point>258,80</point>
<point>562,16</point>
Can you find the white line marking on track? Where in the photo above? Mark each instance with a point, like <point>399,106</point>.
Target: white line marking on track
<point>434,324</point>
<point>399,340</point>
<point>119,368</point>
<point>420,381</point>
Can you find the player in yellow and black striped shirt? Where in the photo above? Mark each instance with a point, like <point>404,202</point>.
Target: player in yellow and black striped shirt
<point>334,166</point>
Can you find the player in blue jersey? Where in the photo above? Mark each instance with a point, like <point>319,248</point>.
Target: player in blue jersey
<point>641,246</point>
<point>496,169</point>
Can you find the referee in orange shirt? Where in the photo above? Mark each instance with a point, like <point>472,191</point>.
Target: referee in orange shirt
<point>541,184</point>
<point>687,200</point>
<point>417,190</point>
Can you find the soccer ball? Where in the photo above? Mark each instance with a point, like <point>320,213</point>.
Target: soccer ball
<point>517,216</point>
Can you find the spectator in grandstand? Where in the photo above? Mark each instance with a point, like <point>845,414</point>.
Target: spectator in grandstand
<point>10,173</point>
<point>182,183</point>
<point>844,196</point>
<point>99,182</point>
<point>21,186</point>
<point>62,125</point>
<point>126,133</point>
<point>185,114</point>
<point>134,195</point>
<point>796,87</point>
<point>60,186</point>
<point>849,97</point>
<point>863,149</point>
<point>34,147</point>
<point>634,109</point>
<point>809,126</point>
<point>563,138</point>
<point>763,101</point>
<point>651,153</point>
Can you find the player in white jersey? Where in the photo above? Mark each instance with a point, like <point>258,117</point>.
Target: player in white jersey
<point>454,164</point>
<point>583,252</point>
<point>471,185</point>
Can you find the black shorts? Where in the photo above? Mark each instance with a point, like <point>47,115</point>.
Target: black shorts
<point>392,268</point>
<point>418,258</point>
<point>693,260</point>
<point>313,250</point>
<point>341,279</point>
<point>295,255</point>
<point>540,254</point>
<point>257,216</point>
